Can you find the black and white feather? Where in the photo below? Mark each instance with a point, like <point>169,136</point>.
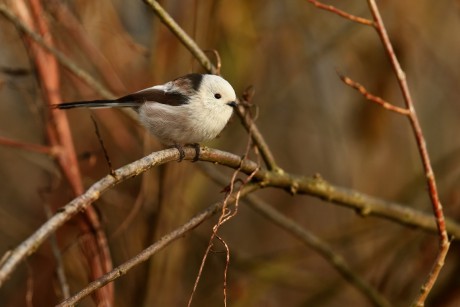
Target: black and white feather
<point>187,110</point>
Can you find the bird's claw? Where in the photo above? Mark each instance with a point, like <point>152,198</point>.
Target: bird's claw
<point>181,152</point>
<point>197,152</point>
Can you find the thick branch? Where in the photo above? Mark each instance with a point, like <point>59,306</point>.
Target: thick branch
<point>315,186</point>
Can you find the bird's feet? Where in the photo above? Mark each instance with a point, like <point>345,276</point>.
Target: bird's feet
<point>197,152</point>
<point>180,148</point>
<point>181,151</point>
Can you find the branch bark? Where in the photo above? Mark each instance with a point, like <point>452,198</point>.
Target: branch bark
<point>314,186</point>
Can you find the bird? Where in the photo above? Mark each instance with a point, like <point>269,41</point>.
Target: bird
<point>185,111</point>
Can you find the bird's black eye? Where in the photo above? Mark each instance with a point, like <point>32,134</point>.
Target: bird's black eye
<point>217,96</point>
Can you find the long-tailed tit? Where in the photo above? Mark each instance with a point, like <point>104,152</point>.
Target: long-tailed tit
<point>188,110</point>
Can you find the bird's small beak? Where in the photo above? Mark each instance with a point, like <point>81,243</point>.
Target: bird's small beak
<point>233,104</point>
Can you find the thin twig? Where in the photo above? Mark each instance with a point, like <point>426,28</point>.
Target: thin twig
<point>308,238</point>
<point>47,150</point>
<point>225,215</point>
<point>227,263</point>
<point>188,42</point>
<point>101,142</point>
<point>248,123</point>
<point>58,257</point>
<point>81,39</point>
<point>341,13</point>
<point>376,99</point>
<point>429,174</point>
<point>154,248</point>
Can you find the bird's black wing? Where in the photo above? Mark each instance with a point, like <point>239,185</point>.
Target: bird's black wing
<point>172,98</point>
<point>132,100</point>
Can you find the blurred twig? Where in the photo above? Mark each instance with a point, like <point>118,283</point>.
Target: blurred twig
<point>60,272</point>
<point>242,110</point>
<point>59,135</point>
<point>63,59</point>
<point>321,247</point>
<point>188,42</point>
<point>47,150</point>
<point>67,19</point>
<point>378,100</point>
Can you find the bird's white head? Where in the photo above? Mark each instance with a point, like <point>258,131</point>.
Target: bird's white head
<point>215,91</point>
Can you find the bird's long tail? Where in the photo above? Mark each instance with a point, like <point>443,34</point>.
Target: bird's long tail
<point>96,104</point>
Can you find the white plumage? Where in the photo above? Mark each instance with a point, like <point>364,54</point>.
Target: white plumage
<point>188,110</point>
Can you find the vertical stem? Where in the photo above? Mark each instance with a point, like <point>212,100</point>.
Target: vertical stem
<point>421,145</point>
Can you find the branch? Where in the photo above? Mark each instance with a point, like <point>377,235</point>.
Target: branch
<point>42,149</point>
<point>312,241</point>
<point>183,37</point>
<point>321,247</point>
<point>341,13</point>
<point>315,186</point>
<point>58,131</point>
<point>257,137</point>
<point>378,100</point>
<point>154,248</point>
<point>431,181</point>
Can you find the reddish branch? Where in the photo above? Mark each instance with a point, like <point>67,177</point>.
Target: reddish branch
<point>52,151</point>
<point>59,136</point>
<point>409,111</point>
<point>341,13</point>
<point>433,191</point>
<point>378,100</point>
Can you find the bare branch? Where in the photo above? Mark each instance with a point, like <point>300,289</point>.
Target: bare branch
<point>60,272</point>
<point>152,249</point>
<point>417,129</point>
<point>52,151</point>
<point>341,13</point>
<point>315,186</point>
<point>58,133</point>
<point>360,88</point>
<point>312,241</point>
<point>188,42</point>
<point>256,135</point>
<point>321,247</point>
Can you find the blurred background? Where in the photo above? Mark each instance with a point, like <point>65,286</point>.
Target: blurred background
<point>290,52</point>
